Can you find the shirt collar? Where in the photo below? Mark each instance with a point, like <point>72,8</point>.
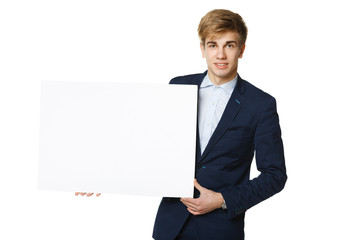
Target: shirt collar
<point>227,87</point>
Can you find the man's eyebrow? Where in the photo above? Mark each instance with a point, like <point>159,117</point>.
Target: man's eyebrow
<point>227,42</point>
<point>211,42</point>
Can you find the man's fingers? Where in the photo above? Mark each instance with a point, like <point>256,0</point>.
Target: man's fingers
<point>190,206</point>
<point>87,194</point>
<point>191,211</point>
<point>194,212</point>
<point>190,203</point>
<point>198,186</point>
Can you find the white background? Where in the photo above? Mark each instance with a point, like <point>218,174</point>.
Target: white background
<point>305,53</point>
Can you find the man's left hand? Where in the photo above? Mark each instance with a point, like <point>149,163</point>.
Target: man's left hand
<point>207,202</point>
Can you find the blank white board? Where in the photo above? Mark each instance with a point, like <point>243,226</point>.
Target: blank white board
<point>118,138</point>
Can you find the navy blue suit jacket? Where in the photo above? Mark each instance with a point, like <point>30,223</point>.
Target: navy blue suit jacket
<point>249,125</point>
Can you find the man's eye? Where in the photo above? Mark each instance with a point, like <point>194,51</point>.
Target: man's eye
<point>230,46</point>
<point>212,46</point>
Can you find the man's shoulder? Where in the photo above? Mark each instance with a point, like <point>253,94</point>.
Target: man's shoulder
<point>194,79</point>
<point>244,86</point>
<point>253,92</point>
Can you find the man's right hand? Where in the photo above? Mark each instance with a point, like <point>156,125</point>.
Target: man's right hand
<point>87,194</point>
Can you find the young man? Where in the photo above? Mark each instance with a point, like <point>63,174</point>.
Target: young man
<point>235,120</point>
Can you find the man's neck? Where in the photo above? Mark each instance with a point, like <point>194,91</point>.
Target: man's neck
<point>220,81</point>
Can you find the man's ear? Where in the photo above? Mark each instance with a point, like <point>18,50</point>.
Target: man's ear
<point>242,50</point>
<point>202,47</point>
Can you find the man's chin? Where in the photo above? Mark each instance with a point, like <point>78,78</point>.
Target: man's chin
<point>225,76</point>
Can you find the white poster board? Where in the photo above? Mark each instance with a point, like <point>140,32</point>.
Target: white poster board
<point>118,138</point>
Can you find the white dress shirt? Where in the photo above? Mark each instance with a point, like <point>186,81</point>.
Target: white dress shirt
<point>212,102</point>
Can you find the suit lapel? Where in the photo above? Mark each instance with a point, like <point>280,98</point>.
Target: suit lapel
<point>234,105</point>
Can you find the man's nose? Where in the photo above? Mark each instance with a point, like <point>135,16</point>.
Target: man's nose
<point>221,54</point>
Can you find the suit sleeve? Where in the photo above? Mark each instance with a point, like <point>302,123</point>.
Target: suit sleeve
<point>270,162</point>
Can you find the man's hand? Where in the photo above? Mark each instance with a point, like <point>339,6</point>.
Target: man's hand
<point>87,194</point>
<point>207,202</point>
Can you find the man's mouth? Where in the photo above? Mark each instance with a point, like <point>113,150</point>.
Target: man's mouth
<point>221,65</point>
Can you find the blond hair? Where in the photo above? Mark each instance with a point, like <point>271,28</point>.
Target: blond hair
<point>219,21</point>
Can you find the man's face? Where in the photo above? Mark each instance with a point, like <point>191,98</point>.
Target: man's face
<point>222,52</point>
